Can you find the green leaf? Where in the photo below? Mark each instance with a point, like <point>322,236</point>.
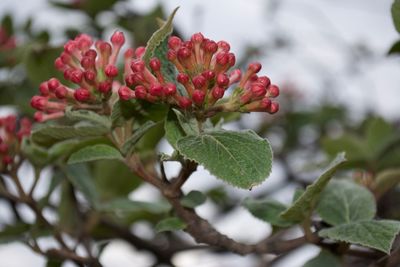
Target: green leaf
<point>374,234</point>
<point>344,202</point>
<point>395,49</point>
<point>193,199</point>
<point>304,205</point>
<point>354,146</point>
<point>15,232</point>
<point>79,176</point>
<point>128,146</point>
<point>385,181</point>
<point>173,130</point>
<point>95,152</point>
<point>396,14</point>
<point>36,154</point>
<point>268,210</point>
<point>113,178</point>
<point>189,124</point>
<point>121,205</point>
<point>242,159</point>
<point>324,259</point>
<point>80,115</point>
<point>170,224</point>
<point>50,134</point>
<point>378,134</point>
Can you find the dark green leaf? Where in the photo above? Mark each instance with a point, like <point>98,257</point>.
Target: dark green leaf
<point>193,199</point>
<point>79,176</point>
<point>173,130</point>
<point>304,205</point>
<point>396,14</point>
<point>344,202</point>
<point>170,224</point>
<point>374,234</point>
<point>378,134</point>
<point>242,159</point>
<point>122,205</point>
<point>324,259</point>
<point>385,181</point>
<point>54,263</point>
<point>128,146</point>
<point>15,232</point>
<point>95,152</point>
<point>80,115</point>
<point>395,49</point>
<point>268,210</point>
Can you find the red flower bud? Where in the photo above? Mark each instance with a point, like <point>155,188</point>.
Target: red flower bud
<point>224,46</point>
<point>87,62</point>
<point>169,89</point>
<point>139,52</point>
<point>222,80</point>
<point>155,64</point>
<point>125,93</point>
<point>111,71</point>
<point>38,102</point>
<point>118,38</point>
<point>156,90</point>
<point>197,38</point>
<point>140,92</point>
<point>59,64</point>
<point>274,108</point>
<point>90,75</point>
<point>105,87</point>
<point>91,53</point>
<point>82,94</point>
<point>258,90</point>
<point>254,67</point>
<point>61,92</point>
<point>209,74</point>
<point>53,83</point>
<point>38,116</point>
<point>264,80</point>
<point>184,102</point>
<point>199,81</point>
<point>184,53</point>
<point>198,97</point>
<point>222,58</point>
<point>265,103</point>
<point>174,42</point>
<point>217,93</point>
<point>76,76</point>
<point>171,55</point>
<point>130,80</point>
<point>211,47</point>
<point>273,91</point>
<point>44,89</point>
<point>3,148</point>
<point>138,66</point>
<point>182,78</point>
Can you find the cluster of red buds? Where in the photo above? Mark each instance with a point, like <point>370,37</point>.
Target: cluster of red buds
<point>91,66</point>
<point>203,67</point>
<point>7,42</point>
<point>203,78</point>
<point>11,134</point>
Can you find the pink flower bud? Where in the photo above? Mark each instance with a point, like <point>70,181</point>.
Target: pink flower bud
<point>125,93</point>
<point>182,78</point>
<point>111,71</point>
<point>217,93</point>
<point>224,46</point>
<point>118,38</point>
<point>184,53</point>
<point>197,38</point>
<point>156,90</point>
<point>199,81</point>
<point>222,58</point>
<point>90,76</point>
<point>273,91</point>
<point>38,116</point>
<point>91,53</point>
<point>265,103</point>
<point>258,90</point>
<point>44,89</point>
<point>264,80</point>
<point>222,80</point>
<point>139,52</point>
<point>82,94</point>
<point>53,83</point>
<point>59,64</point>
<point>87,62</point>
<point>105,87</point>
<point>38,102</point>
<point>61,92</point>
<point>254,67</point>
<point>184,102</point>
<point>274,108</point>
<point>169,89</point>
<point>140,92</point>
<point>198,97</point>
<point>209,74</point>
<point>138,66</point>
<point>211,47</point>
<point>171,55</point>
<point>235,76</point>
<point>174,42</point>
<point>155,64</point>
<point>76,76</point>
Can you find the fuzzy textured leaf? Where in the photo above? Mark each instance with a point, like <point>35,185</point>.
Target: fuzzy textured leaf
<point>343,201</point>
<point>173,130</point>
<point>188,124</point>
<point>304,205</point>
<point>242,159</point>
<point>79,176</point>
<point>170,224</point>
<point>268,210</point>
<point>374,234</point>
<point>80,115</point>
<point>96,152</point>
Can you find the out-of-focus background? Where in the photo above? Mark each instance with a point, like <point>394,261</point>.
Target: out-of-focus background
<point>330,59</point>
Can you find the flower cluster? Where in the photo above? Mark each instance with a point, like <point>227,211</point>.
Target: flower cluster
<point>203,67</point>
<point>11,135</point>
<point>202,79</point>
<point>91,66</point>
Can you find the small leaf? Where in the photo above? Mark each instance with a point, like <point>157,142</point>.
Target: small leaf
<point>242,159</point>
<point>324,259</point>
<point>79,115</point>
<point>193,199</point>
<point>170,224</point>
<point>189,124</point>
<point>304,205</point>
<point>378,134</point>
<point>344,202</point>
<point>128,146</point>
<point>122,205</point>
<point>79,176</point>
<point>173,130</point>
<point>354,146</point>
<point>15,232</point>
<point>396,14</point>
<point>395,49</point>
<point>95,152</point>
<point>374,234</point>
<point>385,181</point>
<point>268,210</point>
